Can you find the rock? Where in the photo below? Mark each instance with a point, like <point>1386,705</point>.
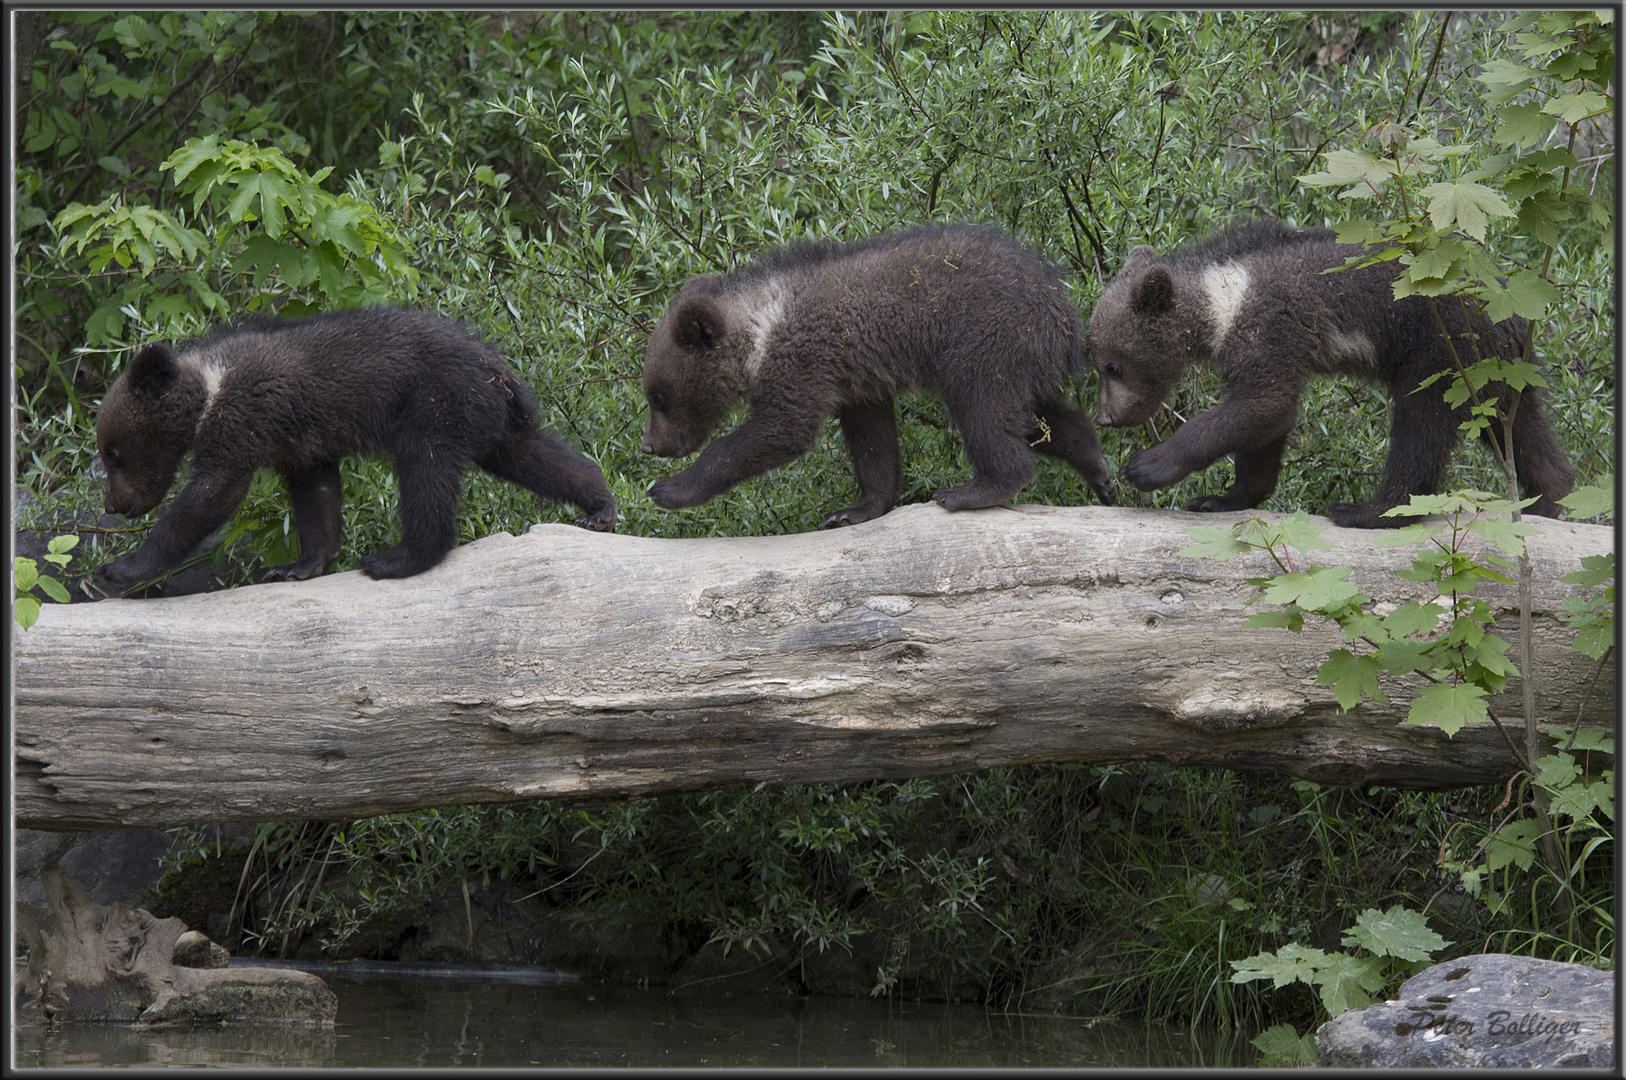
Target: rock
<point>33,849</point>
<point>111,866</point>
<point>195,950</point>
<point>1485,1011</point>
<point>118,866</point>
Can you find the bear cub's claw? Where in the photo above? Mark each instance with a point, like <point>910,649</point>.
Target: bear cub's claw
<point>601,520</point>
<point>853,515</point>
<point>1212,504</point>
<point>118,575</point>
<point>1366,516</point>
<point>293,571</point>
<point>100,588</point>
<point>397,562</point>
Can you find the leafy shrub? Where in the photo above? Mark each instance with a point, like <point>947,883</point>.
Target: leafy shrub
<point>26,577</point>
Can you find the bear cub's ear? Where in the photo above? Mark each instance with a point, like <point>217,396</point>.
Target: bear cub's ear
<point>698,322</point>
<point>1140,255</point>
<point>153,370</point>
<point>1154,293</point>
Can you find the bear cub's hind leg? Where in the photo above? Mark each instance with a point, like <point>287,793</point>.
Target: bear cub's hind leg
<point>317,496</point>
<point>991,430</point>
<point>871,432</point>
<point>1422,436</point>
<point>429,492</point>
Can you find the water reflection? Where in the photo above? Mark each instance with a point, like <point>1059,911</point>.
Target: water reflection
<point>403,1022</point>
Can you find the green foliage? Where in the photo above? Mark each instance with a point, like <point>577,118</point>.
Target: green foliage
<point>1592,615</point>
<point>1577,797</point>
<point>1398,932</point>
<point>267,216</point>
<point>1567,904</point>
<point>1447,641</point>
<point>1118,889</point>
<point>1565,81</point>
<point>26,577</point>
<point>1281,1046</point>
<point>1389,946</point>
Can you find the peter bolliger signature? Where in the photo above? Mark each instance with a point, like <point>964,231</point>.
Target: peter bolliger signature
<point>1498,1025</point>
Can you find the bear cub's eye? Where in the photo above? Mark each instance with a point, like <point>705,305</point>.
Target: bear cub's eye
<point>1112,370</point>
<point>111,455</point>
<point>657,400</point>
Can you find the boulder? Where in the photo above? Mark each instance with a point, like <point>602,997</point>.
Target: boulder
<point>1486,1011</point>
<point>112,866</point>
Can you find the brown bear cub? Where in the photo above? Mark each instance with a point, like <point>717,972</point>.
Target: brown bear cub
<point>1255,303</point>
<point>297,395</point>
<point>824,329</point>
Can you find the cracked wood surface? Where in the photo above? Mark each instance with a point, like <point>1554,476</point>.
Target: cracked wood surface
<point>590,666</point>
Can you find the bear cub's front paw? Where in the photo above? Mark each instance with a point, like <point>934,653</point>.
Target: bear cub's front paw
<point>674,493</point>
<point>1149,470</point>
<point>399,561</point>
<point>294,571</point>
<point>1219,504</point>
<point>600,520</point>
<point>119,575</point>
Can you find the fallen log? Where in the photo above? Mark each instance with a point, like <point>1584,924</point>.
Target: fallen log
<point>564,663</point>
<point>90,962</point>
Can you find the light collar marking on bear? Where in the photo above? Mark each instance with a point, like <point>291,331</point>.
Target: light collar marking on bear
<point>1339,350</point>
<point>213,373</point>
<point>764,308</point>
<point>1227,287</point>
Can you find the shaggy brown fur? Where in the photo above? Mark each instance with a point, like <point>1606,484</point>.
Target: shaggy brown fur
<point>298,395</point>
<point>1254,303</point>
<point>840,329</point>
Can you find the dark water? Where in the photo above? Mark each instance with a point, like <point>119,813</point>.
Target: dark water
<point>464,1019</point>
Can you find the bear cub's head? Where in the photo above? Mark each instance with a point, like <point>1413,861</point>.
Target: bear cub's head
<point>144,428</point>
<point>1142,334</point>
<point>691,376</point>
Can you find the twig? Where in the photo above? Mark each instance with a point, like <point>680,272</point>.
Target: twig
<point>135,127</point>
<point>724,975</point>
<point>1603,662</point>
<point>1428,76</point>
<point>606,378</point>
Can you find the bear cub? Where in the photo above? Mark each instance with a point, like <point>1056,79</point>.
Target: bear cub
<point>1255,303</point>
<point>820,329</point>
<point>298,395</point>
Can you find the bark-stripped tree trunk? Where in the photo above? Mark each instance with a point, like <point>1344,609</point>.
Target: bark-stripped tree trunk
<point>89,962</point>
<point>592,666</point>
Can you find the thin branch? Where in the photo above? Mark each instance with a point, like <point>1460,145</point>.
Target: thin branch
<point>1603,662</point>
<point>90,171</point>
<point>1428,76</point>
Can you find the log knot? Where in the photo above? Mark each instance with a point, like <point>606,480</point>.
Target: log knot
<point>1229,699</point>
